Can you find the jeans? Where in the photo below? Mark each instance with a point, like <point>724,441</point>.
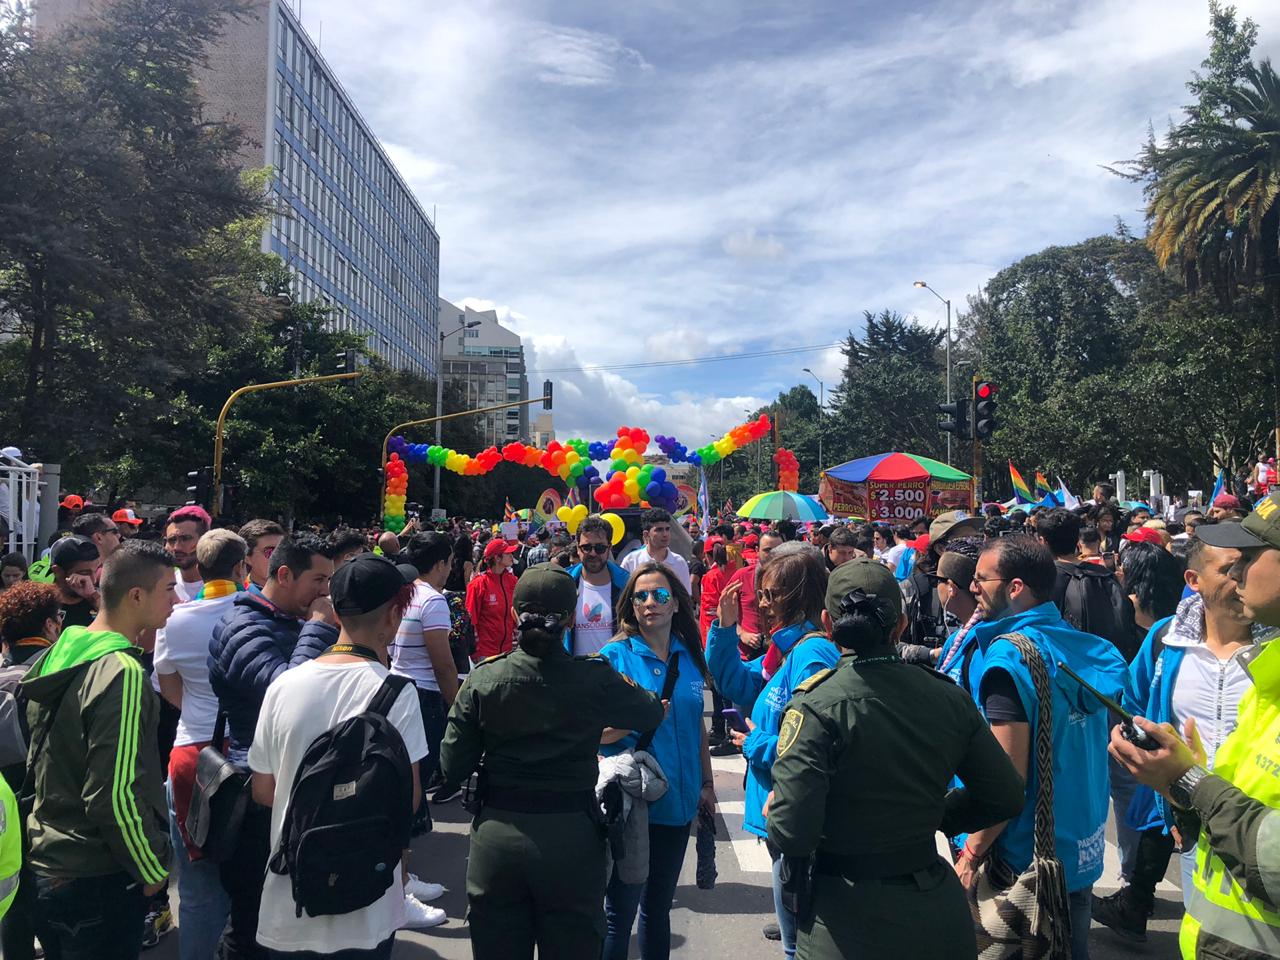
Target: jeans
<point>653,898</point>
<point>1187,862</point>
<point>18,929</point>
<point>1081,904</point>
<point>1122,788</point>
<point>434,719</point>
<point>90,918</point>
<point>202,913</point>
<point>381,952</point>
<point>242,875</point>
<point>786,919</point>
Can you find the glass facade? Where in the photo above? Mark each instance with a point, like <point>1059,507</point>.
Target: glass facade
<point>349,229</point>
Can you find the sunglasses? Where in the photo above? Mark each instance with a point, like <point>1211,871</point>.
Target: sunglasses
<point>597,548</point>
<point>660,596</point>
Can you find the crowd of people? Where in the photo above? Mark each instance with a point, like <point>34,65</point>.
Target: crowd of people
<point>185,703</point>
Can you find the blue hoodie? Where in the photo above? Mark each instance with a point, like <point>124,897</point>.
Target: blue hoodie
<point>677,744</point>
<point>1081,731</point>
<point>744,683</point>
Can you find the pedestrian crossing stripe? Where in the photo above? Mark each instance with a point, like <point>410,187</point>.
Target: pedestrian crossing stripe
<point>790,730</point>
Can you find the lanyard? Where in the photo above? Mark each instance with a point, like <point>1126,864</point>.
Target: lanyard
<point>354,649</point>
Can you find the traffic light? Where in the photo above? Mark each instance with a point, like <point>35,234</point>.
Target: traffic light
<point>200,488</point>
<point>346,360</point>
<point>546,394</point>
<point>958,425</point>
<point>984,409</point>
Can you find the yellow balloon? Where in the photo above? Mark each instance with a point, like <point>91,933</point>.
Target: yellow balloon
<point>619,528</point>
<point>563,514</point>
<point>576,516</point>
<point>633,472</point>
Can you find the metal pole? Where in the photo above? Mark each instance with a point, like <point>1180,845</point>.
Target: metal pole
<point>226,407</point>
<point>949,376</point>
<point>435,480</point>
<point>822,423</point>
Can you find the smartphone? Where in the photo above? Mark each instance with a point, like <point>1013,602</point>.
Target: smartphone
<point>735,720</point>
<point>1128,729</point>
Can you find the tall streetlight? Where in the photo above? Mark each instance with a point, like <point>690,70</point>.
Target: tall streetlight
<point>435,483</point>
<point>822,414</point>
<point>925,286</point>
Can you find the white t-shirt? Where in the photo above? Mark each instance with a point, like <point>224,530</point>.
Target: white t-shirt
<point>187,591</point>
<point>593,620</point>
<point>182,647</point>
<point>672,561</point>
<point>300,705</point>
<point>428,611</point>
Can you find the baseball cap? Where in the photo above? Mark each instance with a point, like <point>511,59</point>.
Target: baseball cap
<point>69,551</point>
<point>751,540</point>
<point>1144,535</point>
<point>497,546</point>
<point>870,576</point>
<point>954,523</point>
<point>546,588</point>
<point>1261,528</point>
<point>366,582</point>
<point>1227,501</point>
<point>72,501</point>
<point>125,515</point>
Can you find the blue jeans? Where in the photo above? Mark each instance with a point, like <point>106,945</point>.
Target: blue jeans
<point>667,846</point>
<point>1187,863</point>
<point>90,918</point>
<point>203,902</point>
<point>1122,788</point>
<point>1081,904</point>
<point>786,919</point>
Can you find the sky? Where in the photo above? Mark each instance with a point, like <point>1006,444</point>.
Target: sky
<point>634,182</point>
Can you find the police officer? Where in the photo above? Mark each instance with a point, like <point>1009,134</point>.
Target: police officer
<point>865,755</point>
<point>530,720</point>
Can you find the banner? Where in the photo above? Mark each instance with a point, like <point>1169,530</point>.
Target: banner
<point>896,501</point>
<point>547,504</point>
<point>843,499</point>
<point>688,497</point>
<point>947,495</point>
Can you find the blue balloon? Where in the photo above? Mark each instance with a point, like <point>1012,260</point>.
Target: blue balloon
<point>659,475</point>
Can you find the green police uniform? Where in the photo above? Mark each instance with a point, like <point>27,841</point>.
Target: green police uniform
<point>536,873</point>
<point>865,756</point>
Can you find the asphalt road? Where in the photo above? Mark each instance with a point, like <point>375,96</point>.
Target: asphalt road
<point>724,922</point>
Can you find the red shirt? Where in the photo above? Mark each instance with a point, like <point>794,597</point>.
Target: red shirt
<point>712,585</point>
<point>489,605</point>
<point>749,612</point>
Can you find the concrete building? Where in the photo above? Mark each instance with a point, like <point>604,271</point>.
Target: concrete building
<point>544,430</point>
<point>489,359</point>
<point>345,222</point>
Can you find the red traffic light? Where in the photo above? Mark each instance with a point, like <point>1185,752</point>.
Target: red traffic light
<point>986,390</point>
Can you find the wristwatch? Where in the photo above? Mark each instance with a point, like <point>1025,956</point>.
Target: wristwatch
<point>1181,789</point>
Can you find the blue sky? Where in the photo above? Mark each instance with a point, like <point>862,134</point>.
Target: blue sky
<point>656,180</point>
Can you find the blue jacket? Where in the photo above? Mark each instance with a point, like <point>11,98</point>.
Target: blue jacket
<point>1152,679</point>
<point>1081,732</point>
<point>743,683</point>
<point>964,679</point>
<point>677,744</point>
<point>252,645</point>
<point>618,578</point>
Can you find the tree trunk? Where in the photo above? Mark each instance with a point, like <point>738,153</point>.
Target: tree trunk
<point>1270,259</point>
<point>35,353</point>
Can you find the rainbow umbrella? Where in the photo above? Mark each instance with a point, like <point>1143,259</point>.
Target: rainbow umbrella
<point>782,505</point>
<point>894,466</point>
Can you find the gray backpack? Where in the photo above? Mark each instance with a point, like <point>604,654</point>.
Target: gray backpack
<point>13,736</point>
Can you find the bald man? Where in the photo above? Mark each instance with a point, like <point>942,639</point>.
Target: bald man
<point>389,544</point>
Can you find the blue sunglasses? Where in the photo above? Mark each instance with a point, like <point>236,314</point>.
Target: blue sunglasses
<point>662,596</point>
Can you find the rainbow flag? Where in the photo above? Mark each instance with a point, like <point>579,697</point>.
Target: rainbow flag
<point>1042,486</point>
<point>1021,492</point>
<point>509,513</point>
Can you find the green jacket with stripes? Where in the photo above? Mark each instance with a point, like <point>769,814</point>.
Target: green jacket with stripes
<point>99,803</point>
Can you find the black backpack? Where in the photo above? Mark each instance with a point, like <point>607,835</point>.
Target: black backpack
<point>462,632</point>
<point>350,812</point>
<point>1091,599</point>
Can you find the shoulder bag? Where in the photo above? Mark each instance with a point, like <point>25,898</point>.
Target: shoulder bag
<point>1027,917</point>
<point>219,798</point>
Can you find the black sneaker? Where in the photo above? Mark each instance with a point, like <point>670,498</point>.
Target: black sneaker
<point>725,748</point>
<point>446,792</point>
<point>157,924</point>
<point>1122,914</point>
<point>772,931</point>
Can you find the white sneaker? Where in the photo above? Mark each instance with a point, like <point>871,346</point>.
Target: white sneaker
<point>418,915</point>
<point>422,890</point>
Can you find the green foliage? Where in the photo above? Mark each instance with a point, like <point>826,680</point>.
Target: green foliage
<point>1230,51</point>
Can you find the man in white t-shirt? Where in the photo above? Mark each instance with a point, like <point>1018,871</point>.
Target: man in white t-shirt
<point>182,672</point>
<point>370,594</point>
<point>656,527</point>
<point>600,581</point>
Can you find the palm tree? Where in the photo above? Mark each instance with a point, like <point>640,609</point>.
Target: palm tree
<point>1213,199</point>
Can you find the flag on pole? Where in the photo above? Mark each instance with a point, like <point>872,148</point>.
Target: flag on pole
<point>1069,500</point>
<point>574,498</point>
<point>1021,492</point>
<point>729,509</point>
<point>704,501</point>
<point>1042,486</point>
<point>509,513</point>
<point>1218,486</point>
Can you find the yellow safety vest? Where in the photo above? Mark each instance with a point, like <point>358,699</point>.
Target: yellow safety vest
<point>1250,759</point>
<point>10,846</point>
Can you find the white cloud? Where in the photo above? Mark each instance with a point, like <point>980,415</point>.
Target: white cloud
<point>746,244</point>
<point>580,58</point>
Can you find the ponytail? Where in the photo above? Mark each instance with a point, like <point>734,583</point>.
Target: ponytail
<point>539,633</point>
<point>865,624</point>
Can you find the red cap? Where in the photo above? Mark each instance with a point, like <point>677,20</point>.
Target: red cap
<point>125,515</point>
<point>920,544</point>
<point>72,502</point>
<point>496,547</point>
<point>1227,501</point>
<point>1146,535</point>
<point>751,540</point>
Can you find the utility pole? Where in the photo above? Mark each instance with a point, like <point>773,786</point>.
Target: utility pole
<point>925,286</point>
<point>822,416</point>
<point>435,482</point>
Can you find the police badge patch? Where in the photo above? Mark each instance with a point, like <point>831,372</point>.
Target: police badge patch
<point>790,730</point>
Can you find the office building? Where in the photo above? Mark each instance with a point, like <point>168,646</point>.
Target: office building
<point>544,430</point>
<point>489,360</point>
<point>345,223</point>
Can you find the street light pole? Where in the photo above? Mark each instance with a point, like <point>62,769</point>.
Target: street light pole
<point>925,286</point>
<point>822,415</point>
<point>435,480</point>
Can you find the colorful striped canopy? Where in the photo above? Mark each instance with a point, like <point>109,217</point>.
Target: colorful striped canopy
<point>894,466</point>
<point>782,505</point>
